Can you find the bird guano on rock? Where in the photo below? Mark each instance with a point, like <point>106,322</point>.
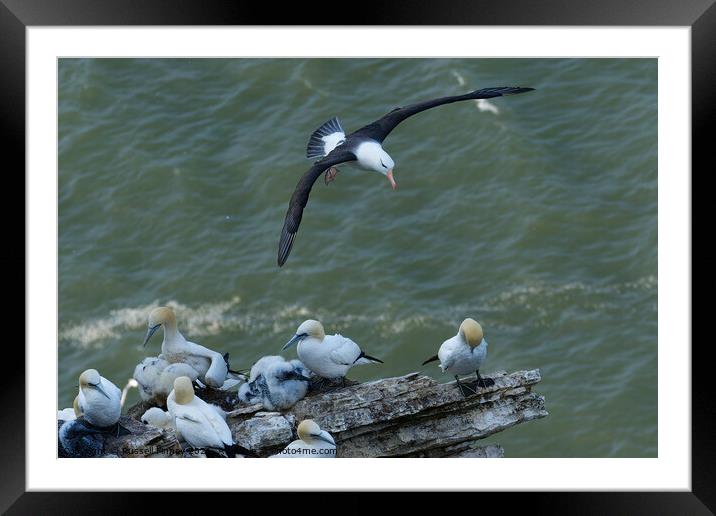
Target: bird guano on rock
<point>362,149</point>
<point>464,354</point>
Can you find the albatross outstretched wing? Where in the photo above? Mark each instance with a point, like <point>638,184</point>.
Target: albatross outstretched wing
<point>299,199</point>
<point>380,129</point>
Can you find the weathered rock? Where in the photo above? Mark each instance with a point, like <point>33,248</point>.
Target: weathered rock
<point>413,414</point>
<point>265,433</point>
<point>466,449</point>
<point>405,416</point>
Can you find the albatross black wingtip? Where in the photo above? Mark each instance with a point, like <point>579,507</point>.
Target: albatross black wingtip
<point>501,91</point>
<point>284,246</point>
<point>519,90</point>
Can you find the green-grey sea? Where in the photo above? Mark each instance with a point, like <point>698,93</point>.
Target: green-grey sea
<point>535,214</point>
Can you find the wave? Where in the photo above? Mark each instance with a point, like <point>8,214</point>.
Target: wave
<point>215,318</point>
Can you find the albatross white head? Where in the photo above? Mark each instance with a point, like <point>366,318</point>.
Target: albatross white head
<point>309,432</point>
<point>91,380</point>
<point>162,316</point>
<point>371,156</point>
<point>471,332</point>
<point>183,390</point>
<point>309,328</point>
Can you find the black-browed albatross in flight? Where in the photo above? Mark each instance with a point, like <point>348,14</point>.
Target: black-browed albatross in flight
<point>363,147</point>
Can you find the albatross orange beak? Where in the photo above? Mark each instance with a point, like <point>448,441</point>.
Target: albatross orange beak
<point>389,175</point>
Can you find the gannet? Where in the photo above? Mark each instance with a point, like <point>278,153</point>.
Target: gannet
<point>328,356</point>
<point>197,423</point>
<point>362,149</point>
<point>98,399</point>
<point>275,383</point>
<point>464,354</point>
<point>157,417</point>
<point>312,442</point>
<point>156,378</point>
<point>78,438</point>
<point>212,367</point>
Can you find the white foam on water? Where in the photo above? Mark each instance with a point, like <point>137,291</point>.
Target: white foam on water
<point>205,319</point>
<point>486,105</point>
<point>460,79</point>
<point>215,318</point>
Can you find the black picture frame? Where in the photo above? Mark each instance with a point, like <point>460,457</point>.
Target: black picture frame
<point>700,15</point>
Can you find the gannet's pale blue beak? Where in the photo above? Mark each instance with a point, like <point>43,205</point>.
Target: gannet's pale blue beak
<point>100,389</point>
<point>294,340</point>
<point>325,437</point>
<point>150,332</point>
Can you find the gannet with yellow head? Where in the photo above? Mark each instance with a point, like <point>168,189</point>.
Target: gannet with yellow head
<point>197,423</point>
<point>464,354</point>
<point>99,400</point>
<point>328,356</point>
<point>312,442</point>
<point>212,368</point>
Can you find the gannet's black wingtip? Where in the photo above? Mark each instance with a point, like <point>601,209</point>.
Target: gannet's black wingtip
<point>431,359</point>
<point>372,359</point>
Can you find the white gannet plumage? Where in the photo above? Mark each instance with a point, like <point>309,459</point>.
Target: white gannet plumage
<point>328,356</point>
<point>212,367</point>
<point>197,423</point>
<point>275,383</point>
<point>98,399</point>
<point>464,354</point>
<point>312,442</point>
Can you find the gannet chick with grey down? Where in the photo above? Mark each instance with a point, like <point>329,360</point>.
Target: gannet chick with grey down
<point>156,378</point>
<point>464,354</point>
<point>99,400</point>
<point>328,356</point>
<point>68,414</point>
<point>212,368</point>
<point>276,383</point>
<point>78,438</point>
<point>197,423</point>
<point>312,442</point>
<point>157,417</point>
